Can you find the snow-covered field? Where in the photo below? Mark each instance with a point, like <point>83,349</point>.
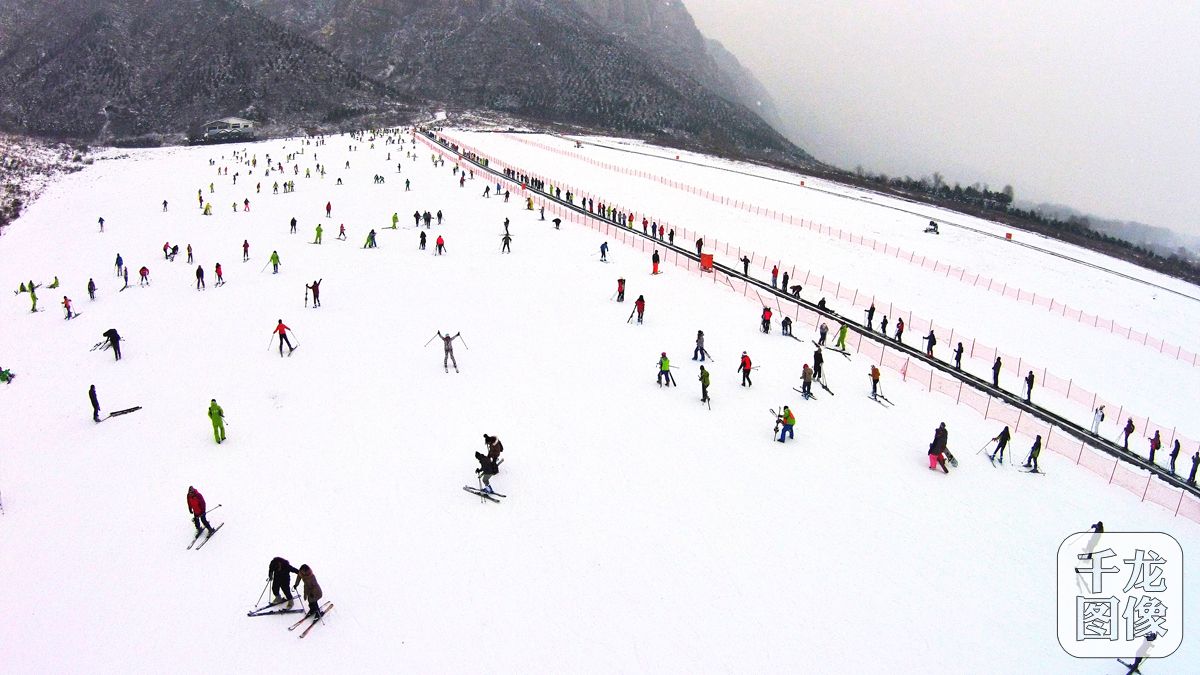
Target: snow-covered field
<point>642,532</point>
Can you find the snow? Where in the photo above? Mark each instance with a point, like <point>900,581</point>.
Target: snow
<point>642,532</point>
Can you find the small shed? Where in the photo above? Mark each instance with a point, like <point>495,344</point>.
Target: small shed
<point>226,124</point>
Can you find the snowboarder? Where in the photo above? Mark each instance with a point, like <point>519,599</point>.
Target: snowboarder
<point>1097,418</point>
<point>937,448</point>
<point>639,306</point>
<point>996,373</point>
<point>448,346</point>
<point>788,420</point>
<point>114,341</point>
<point>698,353</point>
<point>279,573</point>
<point>704,382</point>
<point>1002,440</point>
<point>766,320</point>
<point>315,287</point>
<point>487,468</point>
<point>274,262</point>
<point>95,404</point>
<point>1033,454</point>
<point>621,290</point>
<point>664,371</point>
<point>196,507</point>
<point>312,590</point>
<point>874,374</point>
<point>654,260</point>
<point>604,252</point>
<point>744,367</point>
<point>91,289</point>
<point>1128,431</point>
<point>281,330</point>
<point>1028,386</point>
<point>930,341</point>
<point>217,416</point>
<point>200,277</point>
<point>958,352</point>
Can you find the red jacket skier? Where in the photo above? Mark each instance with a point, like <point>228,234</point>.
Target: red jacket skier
<point>766,320</point>
<point>744,368</point>
<point>282,329</point>
<point>198,509</point>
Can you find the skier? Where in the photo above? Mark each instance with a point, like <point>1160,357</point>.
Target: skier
<point>33,298</point>
<point>818,364</point>
<point>342,231</point>
<point>958,352</point>
<point>1155,444</point>
<point>245,250</point>
<point>1128,431</point>
<point>766,320</point>
<point>66,303</point>
<point>745,265</point>
<point>704,382</point>
<point>806,379</point>
<point>774,274</point>
<point>996,373</point>
<point>871,316</point>
<point>1033,455</point>
<point>164,205</point>
<point>328,208</point>
<point>220,276</point>
<point>200,277</point>
<point>293,230</point>
<point>621,290</point>
<point>744,368</point>
<point>938,448</point>
<point>930,341</point>
<point>494,447</point>
<point>316,291</point>
<point>275,262</point>
<point>1174,455</point>
<point>795,289</point>
<point>557,222</point>
<point>883,326</point>
<point>654,259</point>
<point>114,341</point>
<point>439,215</point>
<point>217,416</point>
<point>604,252</point>
<point>664,371</point>
<point>416,218</point>
<point>786,326</point>
<point>320,230</point>
<point>199,511</point>
<point>1195,462</point>
<point>874,381</point>
<point>421,245</point>
<point>279,573</point>
<point>312,590</point>
<point>282,330</point>
<point>95,404</point>
<point>699,353</point>
<point>439,246</point>
<point>1002,440</point>
<point>841,338</point>
<point>120,264</point>
<point>639,306</point>
<point>1097,418</point>
<point>91,289</point>
<point>1028,386</point>
<point>823,332</point>
<point>487,468</point>
<point>784,284</point>
<point>504,243</point>
<point>789,424</point>
<point>189,252</point>
<point>448,346</point>
<point>101,223</point>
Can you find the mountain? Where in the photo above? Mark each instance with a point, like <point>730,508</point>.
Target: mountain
<point>627,67</point>
<point>1161,240</point>
<point>114,69</point>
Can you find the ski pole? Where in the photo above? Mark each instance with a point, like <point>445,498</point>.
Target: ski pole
<point>430,340</point>
<point>264,592</point>
<point>270,341</point>
<point>460,337</point>
<point>984,446</point>
<point>264,267</point>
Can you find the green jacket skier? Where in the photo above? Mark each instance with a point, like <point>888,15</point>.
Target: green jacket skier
<point>704,381</point>
<point>275,262</point>
<point>319,231</point>
<point>841,340</point>
<point>33,297</point>
<point>664,370</point>
<point>218,421</point>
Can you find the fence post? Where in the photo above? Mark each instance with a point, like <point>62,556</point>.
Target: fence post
<point>987,407</point>
<point>958,396</point>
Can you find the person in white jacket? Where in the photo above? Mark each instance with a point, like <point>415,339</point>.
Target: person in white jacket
<point>1097,418</point>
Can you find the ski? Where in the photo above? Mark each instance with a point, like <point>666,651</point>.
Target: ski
<point>267,606</point>
<point>881,401</point>
<point>823,386</point>
<point>195,539</point>
<point>328,606</point>
<point>274,612</point>
<point>1040,473</point>
<point>809,395</point>
<point>76,315</point>
<point>209,537</point>
<point>480,493</point>
<point>293,349</point>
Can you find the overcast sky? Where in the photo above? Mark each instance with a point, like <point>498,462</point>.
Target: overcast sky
<point>1094,105</point>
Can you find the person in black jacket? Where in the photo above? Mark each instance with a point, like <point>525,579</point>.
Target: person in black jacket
<point>1031,461</point>
<point>1028,386</point>
<point>818,364</point>
<point>1002,440</point>
<point>937,448</point>
<point>114,340</point>
<point>958,352</point>
<point>95,403</point>
<point>279,573</point>
<point>996,373</point>
<point>1195,462</point>
<point>487,469</point>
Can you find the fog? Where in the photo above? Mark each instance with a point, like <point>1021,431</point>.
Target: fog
<point>1094,105</point>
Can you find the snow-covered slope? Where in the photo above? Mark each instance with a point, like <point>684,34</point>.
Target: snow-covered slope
<point>642,532</point>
